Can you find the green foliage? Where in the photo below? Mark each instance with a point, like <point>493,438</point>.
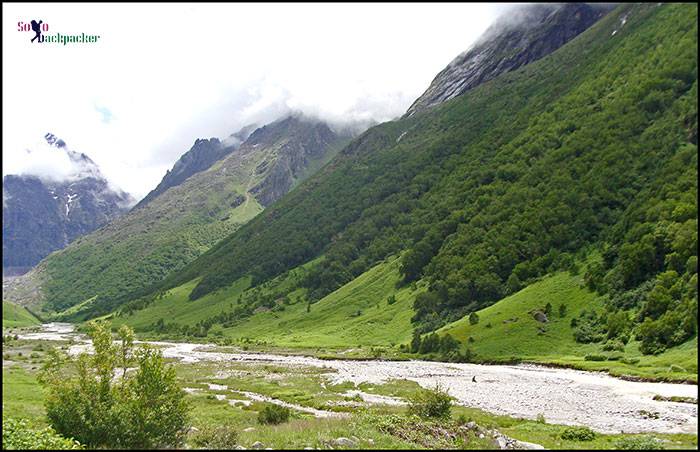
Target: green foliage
<point>88,398</point>
<point>274,414</point>
<point>588,327</point>
<point>17,435</point>
<point>598,148</point>
<point>473,318</point>
<point>645,442</point>
<point>594,357</point>
<point>548,309</point>
<point>430,403</point>
<point>16,316</point>
<point>578,434</point>
<point>613,346</point>
<point>562,310</point>
<point>220,437</point>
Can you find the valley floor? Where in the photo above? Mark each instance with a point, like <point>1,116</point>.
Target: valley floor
<point>332,399</point>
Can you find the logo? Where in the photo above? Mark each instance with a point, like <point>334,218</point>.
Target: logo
<point>39,28</point>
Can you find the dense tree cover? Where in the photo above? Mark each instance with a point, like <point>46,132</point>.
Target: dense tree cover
<point>94,399</point>
<point>592,147</point>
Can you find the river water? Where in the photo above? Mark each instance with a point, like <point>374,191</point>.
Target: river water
<point>594,399</point>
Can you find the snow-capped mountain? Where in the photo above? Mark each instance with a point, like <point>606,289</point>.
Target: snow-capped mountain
<point>41,215</point>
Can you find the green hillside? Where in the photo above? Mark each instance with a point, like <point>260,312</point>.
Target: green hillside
<point>16,316</point>
<point>358,314</point>
<point>143,246</point>
<point>591,147</point>
<point>508,329</point>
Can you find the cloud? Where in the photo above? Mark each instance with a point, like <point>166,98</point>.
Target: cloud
<point>162,76</point>
<point>48,162</point>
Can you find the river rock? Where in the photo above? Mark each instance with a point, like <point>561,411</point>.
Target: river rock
<point>249,429</point>
<point>529,446</point>
<point>344,442</point>
<point>257,445</point>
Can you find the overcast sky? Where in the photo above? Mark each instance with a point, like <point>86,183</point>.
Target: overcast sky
<point>162,75</point>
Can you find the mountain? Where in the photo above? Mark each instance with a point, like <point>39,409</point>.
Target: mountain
<point>203,154</point>
<point>41,215</point>
<point>521,37</point>
<point>183,221</point>
<point>582,162</point>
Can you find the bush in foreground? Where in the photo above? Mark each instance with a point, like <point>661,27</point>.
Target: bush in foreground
<point>223,437</point>
<point>431,403</point>
<point>17,435</point>
<point>578,434</point>
<point>274,414</point>
<point>93,398</point>
<point>639,443</point>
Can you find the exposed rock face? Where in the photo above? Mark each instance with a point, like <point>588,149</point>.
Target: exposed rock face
<point>524,35</point>
<point>203,154</point>
<point>41,216</point>
<point>297,144</point>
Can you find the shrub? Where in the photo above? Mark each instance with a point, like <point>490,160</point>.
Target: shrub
<point>540,419</point>
<point>631,361</point>
<point>16,434</point>
<point>614,345</point>
<point>274,414</point>
<point>578,434</point>
<point>473,318</point>
<point>222,437</point>
<point>94,400</point>
<point>562,310</point>
<point>391,300</point>
<point>431,403</point>
<point>645,442</point>
<point>593,357</point>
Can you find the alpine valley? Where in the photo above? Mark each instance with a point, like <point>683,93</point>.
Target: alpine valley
<point>537,204</point>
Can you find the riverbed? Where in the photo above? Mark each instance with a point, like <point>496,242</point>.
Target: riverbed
<point>563,396</point>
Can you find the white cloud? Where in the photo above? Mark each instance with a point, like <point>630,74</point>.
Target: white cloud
<point>162,75</point>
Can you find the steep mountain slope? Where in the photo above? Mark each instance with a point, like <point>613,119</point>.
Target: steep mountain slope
<point>180,223</point>
<point>203,154</point>
<point>591,147</point>
<point>16,316</point>
<point>521,37</point>
<point>41,215</point>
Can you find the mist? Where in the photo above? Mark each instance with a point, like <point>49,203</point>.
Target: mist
<point>137,100</point>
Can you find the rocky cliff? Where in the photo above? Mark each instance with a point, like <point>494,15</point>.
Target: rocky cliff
<point>203,154</point>
<point>522,36</point>
<point>42,215</point>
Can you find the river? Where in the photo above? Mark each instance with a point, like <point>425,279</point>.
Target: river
<point>594,399</point>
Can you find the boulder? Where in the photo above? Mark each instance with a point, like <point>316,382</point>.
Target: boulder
<point>344,442</point>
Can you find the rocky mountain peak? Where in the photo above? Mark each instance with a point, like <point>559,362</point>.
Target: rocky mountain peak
<point>523,35</point>
<point>41,215</point>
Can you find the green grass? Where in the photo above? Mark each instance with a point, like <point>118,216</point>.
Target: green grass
<point>176,307</point>
<point>334,321</point>
<point>22,397</point>
<point>16,316</point>
<point>514,333</point>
